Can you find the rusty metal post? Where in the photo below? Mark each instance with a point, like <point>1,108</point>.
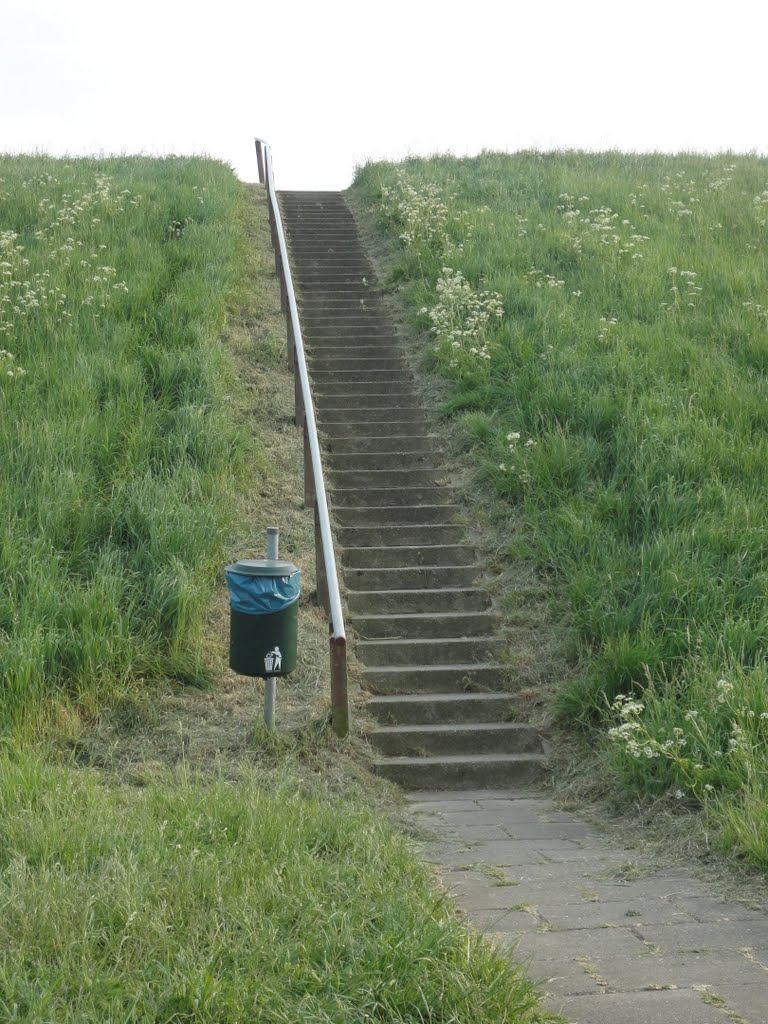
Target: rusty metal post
<point>323,597</point>
<point>309,479</point>
<point>339,696</point>
<point>260,160</point>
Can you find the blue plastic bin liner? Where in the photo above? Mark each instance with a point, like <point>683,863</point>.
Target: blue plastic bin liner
<point>262,595</point>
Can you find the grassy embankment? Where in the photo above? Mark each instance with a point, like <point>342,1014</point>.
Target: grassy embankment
<point>181,896</point>
<point>619,404</point>
<point>118,460</point>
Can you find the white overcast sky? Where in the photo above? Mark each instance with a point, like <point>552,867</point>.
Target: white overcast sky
<point>332,84</point>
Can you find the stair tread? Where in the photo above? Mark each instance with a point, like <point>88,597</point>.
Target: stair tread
<point>436,591</point>
<point>438,698</point>
<point>463,759</point>
<point>442,667</point>
<point>421,616</point>
<point>453,727</point>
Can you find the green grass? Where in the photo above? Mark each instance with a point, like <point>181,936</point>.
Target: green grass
<point>622,412</point>
<point>118,457</point>
<point>257,878</point>
<point>208,902</point>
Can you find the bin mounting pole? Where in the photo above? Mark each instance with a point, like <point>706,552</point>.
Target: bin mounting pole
<point>270,683</point>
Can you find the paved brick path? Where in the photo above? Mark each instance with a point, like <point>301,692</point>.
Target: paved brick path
<point>610,939</point>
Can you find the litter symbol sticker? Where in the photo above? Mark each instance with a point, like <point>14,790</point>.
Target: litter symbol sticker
<point>273,660</point>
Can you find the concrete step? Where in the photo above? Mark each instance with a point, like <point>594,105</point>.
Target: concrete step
<point>360,378</point>
<point>386,460</point>
<point>343,261</point>
<point>359,497</point>
<point>400,680</point>
<point>359,345</point>
<point>446,651</point>
<point>385,515</point>
<point>443,599</point>
<point>356,407</point>
<point>408,535</point>
<point>424,625</point>
<point>341,307</point>
<point>342,429</point>
<point>330,278</point>
<point>352,347</point>
<point>405,443</point>
<point>413,578</point>
<point>321,362</point>
<point>317,235</point>
<point>456,738</point>
<point>408,556</point>
<point>339,311</point>
<point>437,708</point>
<point>378,478</point>
<point>356,292</point>
<point>431,651</point>
<point>336,329</point>
<point>354,318</point>
<point>353,416</point>
<point>465,771</point>
<point>393,391</point>
<point>319,249</point>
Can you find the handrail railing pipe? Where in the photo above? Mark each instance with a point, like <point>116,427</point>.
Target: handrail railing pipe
<point>315,497</point>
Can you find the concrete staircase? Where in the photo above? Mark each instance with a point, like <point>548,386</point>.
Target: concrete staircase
<point>428,635</point>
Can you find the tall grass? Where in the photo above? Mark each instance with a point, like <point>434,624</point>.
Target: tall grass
<point>116,454</point>
<point>623,409</point>
<point>207,902</point>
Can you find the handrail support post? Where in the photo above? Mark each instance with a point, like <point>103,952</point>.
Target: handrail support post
<point>339,694</point>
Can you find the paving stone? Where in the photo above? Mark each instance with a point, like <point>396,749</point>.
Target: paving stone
<point>566,979</point>
<point>603,859</point>
<point>472,834</point>
<point>572,945</point>
<point>724,935</point>
<point>464,795</point>
<point>442,806</point>
<point>749,1002</point>
<point>549,830</point>
<point>509,851</point>
<point>480,816</point>
<point>681,971</point>
<point>507,920</point>
<point>481,854</point>
<point>476,900</point>
<point>588,914</point>
<point>510,809</point>
<point>681,1006</point>
<point>627,945</point>
<point>708,908</point>
<point>642,889</point>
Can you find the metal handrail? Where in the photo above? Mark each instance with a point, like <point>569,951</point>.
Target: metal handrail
<point>314,483</point>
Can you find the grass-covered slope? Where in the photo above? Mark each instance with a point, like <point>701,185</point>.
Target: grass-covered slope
<point>619,400</point>
<point>209,902</point>
<point>117,458</point>
<point>144,888</point>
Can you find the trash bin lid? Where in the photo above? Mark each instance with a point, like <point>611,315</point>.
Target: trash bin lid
<point>263,567</point>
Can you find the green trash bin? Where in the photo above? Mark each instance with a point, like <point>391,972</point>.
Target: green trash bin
<point>263,623</point>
